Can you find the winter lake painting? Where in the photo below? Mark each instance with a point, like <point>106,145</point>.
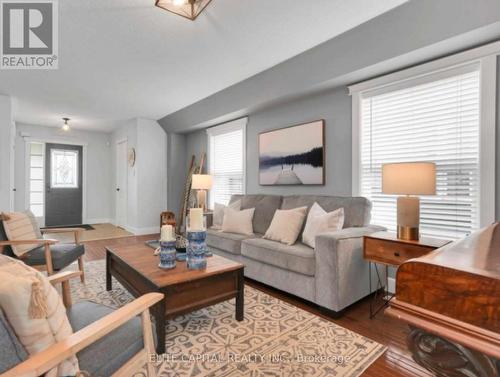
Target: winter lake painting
<point>293,155</point>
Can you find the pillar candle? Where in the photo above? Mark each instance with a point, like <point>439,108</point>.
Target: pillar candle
<point>196,219</point>
<point>167,233</point>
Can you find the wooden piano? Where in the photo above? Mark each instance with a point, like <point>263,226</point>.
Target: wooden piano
<point>451,300</point>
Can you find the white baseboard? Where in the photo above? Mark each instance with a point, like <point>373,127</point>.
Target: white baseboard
<point>97,221</point>
<point>143,231</point>
<point>392,285</point>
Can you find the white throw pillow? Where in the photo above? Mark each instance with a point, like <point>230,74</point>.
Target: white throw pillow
<point>320,221</point>
<point>286,225</point>
<point>239,222</point>
<point>19,226</point>
<point>35,311</point>
<point>219,212</point>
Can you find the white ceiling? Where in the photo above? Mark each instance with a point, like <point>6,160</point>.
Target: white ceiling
<point>120,59</point>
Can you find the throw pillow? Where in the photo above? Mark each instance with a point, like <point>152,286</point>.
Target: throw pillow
<point>219,212</point>
<point>35,311</point>
<point>18,226</point>
<point>239,222</point>
<point>36,227</point>
<point>286,225</point>
<point>320,221</point>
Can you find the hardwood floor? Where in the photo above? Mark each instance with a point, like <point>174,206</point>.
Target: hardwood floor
<point>396,362</point>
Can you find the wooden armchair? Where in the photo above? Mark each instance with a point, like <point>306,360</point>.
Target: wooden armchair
<point>104,344</point>
<point>50,256</point>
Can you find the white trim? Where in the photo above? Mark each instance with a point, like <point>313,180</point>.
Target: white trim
<point>234,125</point>
<point>356,146</point>
<point>462,58</point>
<point>44,141</point>
<point>487,140</point>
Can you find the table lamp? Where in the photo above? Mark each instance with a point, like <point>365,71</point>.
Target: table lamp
<point>202,183</point>
<point>409,178</point>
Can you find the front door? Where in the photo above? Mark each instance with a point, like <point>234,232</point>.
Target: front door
<point>63,181</point>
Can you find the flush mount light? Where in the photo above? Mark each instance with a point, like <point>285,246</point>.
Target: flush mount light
<point>65,126</point>
<point>185,8</point>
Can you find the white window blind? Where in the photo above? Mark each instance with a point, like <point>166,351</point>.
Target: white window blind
<point>227,160</point>
<point>436,120</point>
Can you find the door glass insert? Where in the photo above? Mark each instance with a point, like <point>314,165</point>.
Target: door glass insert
<point>64,168</point>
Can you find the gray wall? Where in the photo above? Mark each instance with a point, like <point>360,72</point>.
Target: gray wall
<point>333,106</point>
<point>177,171</point>
<point>196,144</point>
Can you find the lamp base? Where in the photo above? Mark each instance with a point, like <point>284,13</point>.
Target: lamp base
<point>408,233</point>
<point>408,218</point>
<point>201,197</point>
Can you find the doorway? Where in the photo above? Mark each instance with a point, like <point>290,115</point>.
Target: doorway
<point>63,184</point>
<point>121,184</point>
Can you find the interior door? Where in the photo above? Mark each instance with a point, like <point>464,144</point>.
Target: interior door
<point>63,185</point>
<point>121,184</point>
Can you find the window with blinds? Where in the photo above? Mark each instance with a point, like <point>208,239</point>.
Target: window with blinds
<point>227,160</point>
<point>436,120</point>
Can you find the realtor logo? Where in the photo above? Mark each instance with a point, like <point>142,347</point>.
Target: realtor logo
<point>29,34</point>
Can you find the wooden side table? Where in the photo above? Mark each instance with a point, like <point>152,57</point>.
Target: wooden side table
<point>384,248</point>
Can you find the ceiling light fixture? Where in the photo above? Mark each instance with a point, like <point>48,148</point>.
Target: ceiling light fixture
<point>186,8</point>
<point>65,126</point>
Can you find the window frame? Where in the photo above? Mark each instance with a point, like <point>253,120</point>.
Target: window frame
<point>231,126</point>
<point>486,58</point>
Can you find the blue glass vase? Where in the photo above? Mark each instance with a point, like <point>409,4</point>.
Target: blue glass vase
<point>167,255</point>
<point>196,248</point>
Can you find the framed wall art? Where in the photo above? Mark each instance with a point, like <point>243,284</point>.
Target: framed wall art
<point>293,155</point>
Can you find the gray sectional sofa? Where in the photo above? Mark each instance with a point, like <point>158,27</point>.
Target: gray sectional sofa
<point>334,275</point>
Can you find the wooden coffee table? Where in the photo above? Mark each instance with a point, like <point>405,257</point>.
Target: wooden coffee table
<point>136,268</point>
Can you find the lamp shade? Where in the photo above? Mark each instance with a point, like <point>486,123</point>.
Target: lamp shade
<point>202,182</point>
<point>409,178</point>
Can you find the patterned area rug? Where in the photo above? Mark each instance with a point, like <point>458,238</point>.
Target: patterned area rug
<point>275,339</point>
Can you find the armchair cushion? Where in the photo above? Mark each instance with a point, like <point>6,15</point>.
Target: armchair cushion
<point>34,310</point>
<point>62,255</point>
<point>108,354</point>
<point>13,351</point>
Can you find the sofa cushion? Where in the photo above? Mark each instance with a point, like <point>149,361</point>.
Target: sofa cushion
<point>265,206</point>
<point>62,255</point>
<point>13,351</point>
<point>230,242</point>
<point>356,210</point>
<point>108,354</point>
<point>298,258</point>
